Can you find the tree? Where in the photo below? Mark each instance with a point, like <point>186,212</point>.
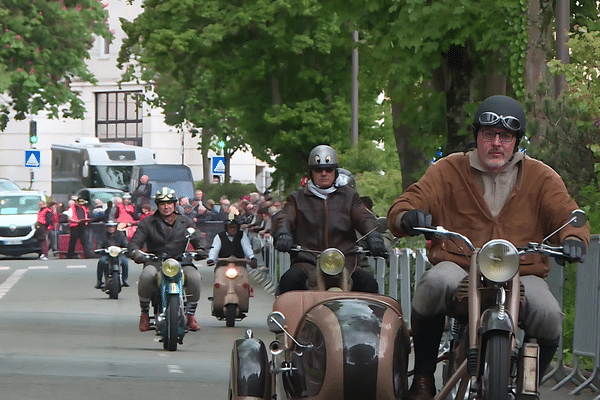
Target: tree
<point>44,47</point>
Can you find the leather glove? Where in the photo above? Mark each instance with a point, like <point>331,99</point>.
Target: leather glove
<point>138,257</point>
<point>200,255</point>
<point>574,250</point>
<point>376,245</point>
<point>415,218</point>
<point>210,262</point>
<point>284,242</point>
<point>253,263</point>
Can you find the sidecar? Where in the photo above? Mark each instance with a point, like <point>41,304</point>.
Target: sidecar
<point>329,345</point>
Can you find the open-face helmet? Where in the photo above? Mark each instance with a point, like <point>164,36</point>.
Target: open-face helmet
<point>322,156</point>
<point>502,112</point>
<point>165,195</point>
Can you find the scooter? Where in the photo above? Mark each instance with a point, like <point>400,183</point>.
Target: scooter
<point>231,291</point>
<point>168,302</point>
<point>485,359</point>
<point>113,272</point>
<point>330,343</point>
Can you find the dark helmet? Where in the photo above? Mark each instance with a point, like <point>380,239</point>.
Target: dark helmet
<point>503,112</point>
<point>322,156</point>
<point>345,178</point>
<point>231,222</point>
<point>165,194</point>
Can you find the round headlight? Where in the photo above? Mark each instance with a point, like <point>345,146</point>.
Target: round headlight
<point>231,273</point>
<point>114,250</point>
<point>170,267</point>
<point>332,261</point>
<point>498,260</point>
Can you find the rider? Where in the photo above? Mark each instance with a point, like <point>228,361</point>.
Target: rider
<point>164,232</point>
<point>112,237</point>
<point>322,215</point>
<point>494,191</point>
<point>231,242</point>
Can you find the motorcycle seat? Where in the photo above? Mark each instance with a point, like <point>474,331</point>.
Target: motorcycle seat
<point>295,304</point>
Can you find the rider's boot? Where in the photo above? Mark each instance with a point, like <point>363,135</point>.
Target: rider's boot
<point>192,324</point>
<point>145,318</point>
<point>427,333</point>
<point>99,274</point>
<point>547,352</point>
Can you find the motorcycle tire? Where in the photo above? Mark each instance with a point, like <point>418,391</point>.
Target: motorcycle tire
<point>173,306</point>
<point>230,312</point>
<point>496,367</point>
<point>113,286</point>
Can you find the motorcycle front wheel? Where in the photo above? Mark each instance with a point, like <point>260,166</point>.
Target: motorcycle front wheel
<point>113,286</point>
<point>170,342</point>
<point>496,367</point>
<point>230,312</point>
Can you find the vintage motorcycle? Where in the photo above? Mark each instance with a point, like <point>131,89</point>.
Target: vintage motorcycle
<point>485,358</point>
<point>330,343</point>
<point>168,302</point>
<point>113,270</point>
<point>231,290</point>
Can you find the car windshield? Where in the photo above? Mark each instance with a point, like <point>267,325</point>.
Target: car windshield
<point>112,176</point>
<point>8,185</point>
<point>26,204</point>
<point>105,196</point>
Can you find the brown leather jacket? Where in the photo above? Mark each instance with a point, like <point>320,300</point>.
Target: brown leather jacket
<point>319,224</point>
<point>538,205</point>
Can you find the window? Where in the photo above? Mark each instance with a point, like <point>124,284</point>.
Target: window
<point>119,117</point>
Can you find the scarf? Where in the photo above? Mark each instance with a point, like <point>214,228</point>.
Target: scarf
<point>319,192</point>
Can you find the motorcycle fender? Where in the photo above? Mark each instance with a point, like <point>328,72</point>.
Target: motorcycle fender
<point>250,372</point>
<point>491,321</point>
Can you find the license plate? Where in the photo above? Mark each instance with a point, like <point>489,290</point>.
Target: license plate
<point>12,242</point>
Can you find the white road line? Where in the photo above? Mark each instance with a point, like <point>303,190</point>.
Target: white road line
<point>10,281</point>
<point>4,268</point>
<point>38,267</point>
<point>175,369</point>
<point>77,266</point>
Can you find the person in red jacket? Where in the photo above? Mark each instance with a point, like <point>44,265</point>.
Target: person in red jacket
<point>79,225</point>
<point>44,217</point>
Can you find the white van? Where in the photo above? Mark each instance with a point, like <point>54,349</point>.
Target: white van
<point>18,216</point>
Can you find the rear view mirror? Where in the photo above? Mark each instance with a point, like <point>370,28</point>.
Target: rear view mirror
<point>382,224</point>
<point>276,322</point>
<point>578,218</point>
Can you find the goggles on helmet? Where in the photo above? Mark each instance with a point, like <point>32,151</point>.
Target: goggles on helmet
<point>489,118</point>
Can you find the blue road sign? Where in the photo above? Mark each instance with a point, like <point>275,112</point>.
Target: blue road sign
<point>218,165</point>
<point>32,158</point>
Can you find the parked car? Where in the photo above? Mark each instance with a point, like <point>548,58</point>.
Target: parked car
<point>18,217</point>
<point>104,194</point>
<point>8,185</point>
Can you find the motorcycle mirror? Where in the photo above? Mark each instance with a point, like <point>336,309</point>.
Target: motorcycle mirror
<point>578,218</point>
<point>382,224</point>
<point>190,233</point>
<point>276,322</point>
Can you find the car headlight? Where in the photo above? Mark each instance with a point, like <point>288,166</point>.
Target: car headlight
<point>231,272</point>
<point>498,260</point>
<point>114,251</point>
<point>170,267</point>
<point>332,261</point>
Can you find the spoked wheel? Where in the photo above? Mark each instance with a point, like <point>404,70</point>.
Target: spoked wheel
<point>496,367</point>
<point>230,312</point>
<point>170,342</point>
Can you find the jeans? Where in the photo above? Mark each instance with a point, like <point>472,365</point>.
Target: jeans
<point>103,264</point>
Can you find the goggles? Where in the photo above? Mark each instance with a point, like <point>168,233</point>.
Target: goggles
<point>489,118</point>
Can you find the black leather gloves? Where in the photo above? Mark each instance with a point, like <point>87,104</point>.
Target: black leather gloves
<point>138,257</point>
<point>253,263</point>
<point>574,250</point>
<point>200,255</point>
<point>210,262</point>
<point>415,218</point>
<point>376,245</point>
<point>284,242</point>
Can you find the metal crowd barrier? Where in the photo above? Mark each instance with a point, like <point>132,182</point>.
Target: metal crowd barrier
<point>398,277</point>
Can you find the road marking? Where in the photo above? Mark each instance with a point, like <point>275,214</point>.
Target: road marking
<point>77,266</point>
<point>38,267</point>
<point>175,369</point>
<point>4,268</point>
<point>10,281</point>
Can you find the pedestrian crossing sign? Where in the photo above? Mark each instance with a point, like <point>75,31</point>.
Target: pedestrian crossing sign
<point>32,158</point>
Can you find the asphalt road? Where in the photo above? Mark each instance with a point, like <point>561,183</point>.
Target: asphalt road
<point>62,339</point>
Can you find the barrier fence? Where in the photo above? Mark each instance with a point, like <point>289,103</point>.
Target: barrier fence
<point>398,276</point>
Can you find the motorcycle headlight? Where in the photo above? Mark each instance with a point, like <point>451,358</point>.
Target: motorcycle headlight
<point>332,261</point>
<point>114,250</point>
<point>498,260</point>
<point>231,273</point>
<point>170,267</point>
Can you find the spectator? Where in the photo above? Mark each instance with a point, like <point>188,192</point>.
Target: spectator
<point>210,206</point>
<point>223,214</point>
<point>141,195</point>
<point>79,224</point>
<point>146,211</point>
<point>44,218</point>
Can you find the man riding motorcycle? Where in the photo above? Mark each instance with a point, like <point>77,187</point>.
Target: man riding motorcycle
<point>492,192</point>
<point>112,237</point>
<point>322,215</point>
<point>164,233</point>
<point>231,242</point>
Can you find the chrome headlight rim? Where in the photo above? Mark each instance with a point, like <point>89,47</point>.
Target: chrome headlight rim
<point>498,260</point>
<point>331,261</point>
<point>171,267</point>
<point>114,251</point>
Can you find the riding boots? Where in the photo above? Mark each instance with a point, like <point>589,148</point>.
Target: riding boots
<point>144,323</point>
<point>192,324</point>
<point>422,388</point>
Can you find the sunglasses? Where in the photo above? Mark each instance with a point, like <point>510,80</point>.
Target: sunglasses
<point>505,137</point>
<point>489,118</point>
<point>329,170</point>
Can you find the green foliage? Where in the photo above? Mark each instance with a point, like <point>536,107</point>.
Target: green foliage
<point>43,47</point>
